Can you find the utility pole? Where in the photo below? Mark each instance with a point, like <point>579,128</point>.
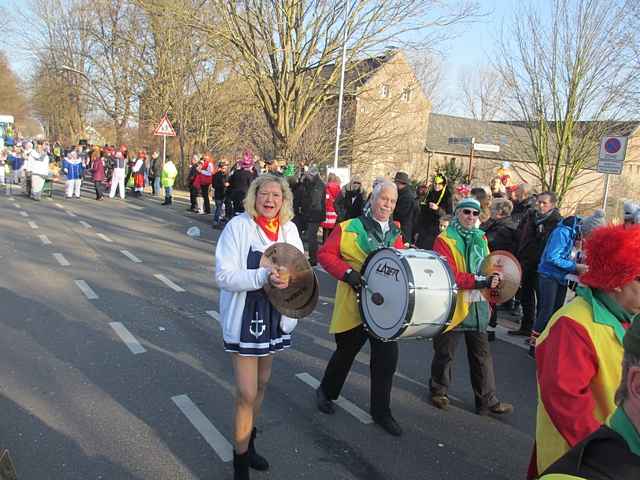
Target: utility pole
<point>341,94</point>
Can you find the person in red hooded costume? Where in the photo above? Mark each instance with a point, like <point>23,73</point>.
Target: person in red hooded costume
<point>332,189</point>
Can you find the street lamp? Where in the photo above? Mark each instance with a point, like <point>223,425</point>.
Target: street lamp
<point>341,95</point>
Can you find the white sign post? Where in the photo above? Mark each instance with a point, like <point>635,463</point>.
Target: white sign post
<point>164,129</point>
<point>611,160</point>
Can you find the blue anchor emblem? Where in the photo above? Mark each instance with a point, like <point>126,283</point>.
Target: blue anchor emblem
<point>257,326</point>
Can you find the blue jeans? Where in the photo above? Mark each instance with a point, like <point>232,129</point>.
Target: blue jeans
<point>168,191</point>
<point>156,186</point>
<point>216,214</point>
<point>551,299</point>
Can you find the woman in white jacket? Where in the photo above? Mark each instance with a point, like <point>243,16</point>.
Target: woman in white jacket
<point>253,328</point>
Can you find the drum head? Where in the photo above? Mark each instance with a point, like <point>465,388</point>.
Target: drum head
<point>388,279</point>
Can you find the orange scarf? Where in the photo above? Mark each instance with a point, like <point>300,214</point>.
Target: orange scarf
<point>270,227</point>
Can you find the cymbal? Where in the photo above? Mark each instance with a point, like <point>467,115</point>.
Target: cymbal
<point>502,261</point>
<point>306,309</point>
<point>297,297</point>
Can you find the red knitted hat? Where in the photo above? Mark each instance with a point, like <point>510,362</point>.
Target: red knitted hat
<point>613,257</point>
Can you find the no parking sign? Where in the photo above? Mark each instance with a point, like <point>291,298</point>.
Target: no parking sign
<point>612,153</point>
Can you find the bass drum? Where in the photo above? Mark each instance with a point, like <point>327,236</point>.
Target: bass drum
<point>406,294</point>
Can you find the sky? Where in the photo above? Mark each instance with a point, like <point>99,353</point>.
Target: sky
<point>471,48</point>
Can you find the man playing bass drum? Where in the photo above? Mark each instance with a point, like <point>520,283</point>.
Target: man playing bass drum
<point>342,256</point>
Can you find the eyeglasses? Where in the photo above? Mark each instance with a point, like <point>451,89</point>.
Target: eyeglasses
<point>467,211</point>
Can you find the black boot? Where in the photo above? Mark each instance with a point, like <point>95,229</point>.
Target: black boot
<point>241,466</point>
<point>170,201</point>
<point>257,461</point>
<point>167,201</point>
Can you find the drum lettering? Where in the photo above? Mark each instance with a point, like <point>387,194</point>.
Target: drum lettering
<point>388,271</point>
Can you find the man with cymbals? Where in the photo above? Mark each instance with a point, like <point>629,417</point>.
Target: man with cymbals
<point>579,354</point>
<point>464,246</point>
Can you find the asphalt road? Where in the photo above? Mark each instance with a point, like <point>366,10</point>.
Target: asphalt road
<point>111,365</point>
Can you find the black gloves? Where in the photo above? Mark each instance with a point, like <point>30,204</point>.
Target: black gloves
<point>484,282</point>
<point>354,279</point>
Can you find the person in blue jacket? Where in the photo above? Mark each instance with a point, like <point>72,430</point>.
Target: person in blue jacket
<point>73,169</point>
<point>559,259</point>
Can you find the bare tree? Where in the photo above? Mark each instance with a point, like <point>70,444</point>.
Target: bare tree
<point>429,70</point>
<point>482,93</point>
<point>288,50</point>
<point>567,80</point>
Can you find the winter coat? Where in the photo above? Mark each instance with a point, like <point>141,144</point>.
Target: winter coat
<point>38,164</point>
<point>556,261</point>
<point>73,168</point>
<point>16,161</point>
<point>239,182</point>
<point>349,203</point>
<point>168,175</point>
<point>521,209</point>
<point>155,169</point>
<point>332,189</point>
<point>313,196</point>
<point>219,185</point>
<point>501,234</point>
<point>204,176</point>
<point>405,212</point>
<point>427,222</point>
<point>97,170</point>
<point>532,238</point>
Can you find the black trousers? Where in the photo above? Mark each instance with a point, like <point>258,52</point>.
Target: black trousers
<point>483,380</point>
<point>383,364</point>
<point>204,190</point>
<point>312,240</point>
<point>99,186</point>
<point>193,194</point>
<point>528,294</point>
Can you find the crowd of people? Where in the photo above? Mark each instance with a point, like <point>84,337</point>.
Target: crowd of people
<point>586,349</point>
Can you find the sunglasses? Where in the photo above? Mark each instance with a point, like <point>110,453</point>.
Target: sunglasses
<point>467,211</point>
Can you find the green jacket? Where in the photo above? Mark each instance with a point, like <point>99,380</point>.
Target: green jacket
<point>168,175</point>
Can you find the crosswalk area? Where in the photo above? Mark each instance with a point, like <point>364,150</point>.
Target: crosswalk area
<point>144,293</point>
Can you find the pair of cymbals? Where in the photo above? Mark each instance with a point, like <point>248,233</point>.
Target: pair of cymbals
<point>300,298</point>
<point>503,262</point>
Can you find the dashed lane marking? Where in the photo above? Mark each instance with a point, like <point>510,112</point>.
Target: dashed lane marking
<point>17,205</point>
<point>327,299</point>
<point>23,213</point>
<point>70,213</point>
<point>201,423</point>
<point>128,339</point>
<point>213,314</point>
<point>130,256</point>
<point>86,289</point>
<point>169,283</point>
<point>59,206</point>
<point>85,224</point>
<point>342,402</point>
<point>502,334</point>
<point>61,260</point>
<point>44,239</point>
<point>33,224</point>
<point>104,237</point>
<point>135,207</point>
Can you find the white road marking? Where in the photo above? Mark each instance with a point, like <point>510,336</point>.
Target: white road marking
<point>17,205</point>
<point>212,436</point>
<point>327,299</point>
<point>45,240</point>
<point>130,256</point>
<point>32,224</point>
<point>104,237</point>
<point>12,199</point>
<point>157,219</point>
<point>23,213</point>
<point>135,207</point>
<point>86,289</point>
<point>128,339</point>
<point>169,283</point>
<point>71,214</point>
<point>61,260</point>
<point>213,314</point>
<point>59,206</point>
<point>85,224</point>
<point>350,407</point>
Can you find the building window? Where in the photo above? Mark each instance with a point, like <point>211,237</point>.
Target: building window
<point>385,91</point>
<point>406,95</point>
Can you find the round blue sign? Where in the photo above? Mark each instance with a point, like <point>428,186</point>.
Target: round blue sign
<point>612,145</point>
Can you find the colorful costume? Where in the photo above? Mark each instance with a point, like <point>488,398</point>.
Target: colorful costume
<point>579,354</point>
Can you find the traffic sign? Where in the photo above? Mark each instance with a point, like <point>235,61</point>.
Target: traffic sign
<point>612,153</point>
<point>165,129</point>
<point>486,147</point>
